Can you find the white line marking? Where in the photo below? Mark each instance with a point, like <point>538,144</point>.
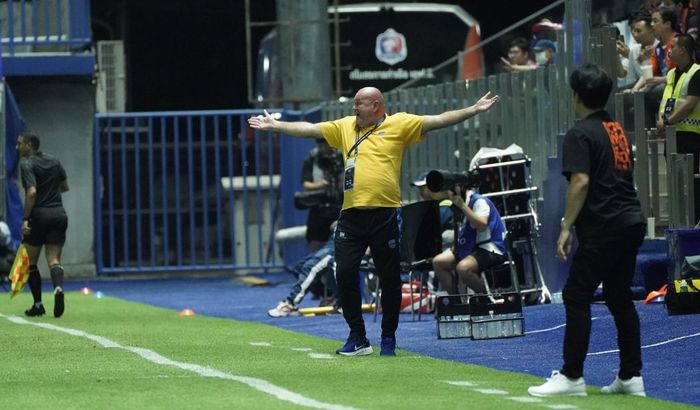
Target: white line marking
<point>525,399</point>
<point>547,330</point>
<point>675,339</point>
<point>258,384</point>
<point>491,391</point>
<point>561,406</point>
<point>553,328</point>
<point>321,356</point>
<point>461,383</point>
<point>302,349</point>
<point>260,344</point>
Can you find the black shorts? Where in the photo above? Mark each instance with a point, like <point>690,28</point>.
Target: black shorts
<point>487,259</point>
<point>48,226</point>
<point>318,224</point>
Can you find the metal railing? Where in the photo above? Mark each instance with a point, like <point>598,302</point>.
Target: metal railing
<point>664,181</point>
<point>184,191</point>
<point>682,182</point>
<point>526,115</point>
<point>32,25</point>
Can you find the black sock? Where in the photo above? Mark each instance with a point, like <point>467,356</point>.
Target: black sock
<point>57,276</point>
<point>35,283</point>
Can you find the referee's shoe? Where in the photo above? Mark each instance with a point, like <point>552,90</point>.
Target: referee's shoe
<point>59,304</point>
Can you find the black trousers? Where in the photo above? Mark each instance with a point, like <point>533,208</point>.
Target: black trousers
<point>610,260</point>
<point>377,229</point>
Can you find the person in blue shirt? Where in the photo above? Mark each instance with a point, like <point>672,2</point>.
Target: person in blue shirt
<point>480,243</point>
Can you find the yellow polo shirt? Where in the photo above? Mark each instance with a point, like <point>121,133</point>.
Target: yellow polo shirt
<point>378,160</point>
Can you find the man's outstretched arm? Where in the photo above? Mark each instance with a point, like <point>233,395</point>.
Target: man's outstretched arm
<point>296,129</point>
<point>447,118</point>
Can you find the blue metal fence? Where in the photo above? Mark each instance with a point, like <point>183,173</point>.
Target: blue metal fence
<point>45,22</point>
<point>185,191</point>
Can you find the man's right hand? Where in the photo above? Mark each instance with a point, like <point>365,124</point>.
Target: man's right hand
<point>261,122</point>
<point>622,49</point>
<point>456,196</point>
<point>660,128</point>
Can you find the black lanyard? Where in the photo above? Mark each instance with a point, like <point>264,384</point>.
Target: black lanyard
<point>359,139</point>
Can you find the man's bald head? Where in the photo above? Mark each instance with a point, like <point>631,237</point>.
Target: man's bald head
<point>370,93</point>
<point>368,106</point>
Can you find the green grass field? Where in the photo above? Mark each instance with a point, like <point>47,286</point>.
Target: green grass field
<point>108,353</point>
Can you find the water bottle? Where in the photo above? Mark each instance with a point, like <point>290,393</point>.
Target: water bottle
<point>683,286</point>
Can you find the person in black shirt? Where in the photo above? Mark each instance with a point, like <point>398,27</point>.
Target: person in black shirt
<point>322,170</point>
<point>602,204</point>
<point>45,221</point>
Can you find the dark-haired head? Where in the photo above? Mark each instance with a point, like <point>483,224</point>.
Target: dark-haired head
<point>667,16</point>
<point>687,43</point>
<point>592,85</point>
<point>31,139</point>
<point>521,43</point>
<point>640,16</point>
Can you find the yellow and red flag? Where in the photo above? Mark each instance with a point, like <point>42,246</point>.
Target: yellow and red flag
<point>19,274</point>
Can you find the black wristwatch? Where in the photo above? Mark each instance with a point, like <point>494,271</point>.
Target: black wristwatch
<point>666,121</point>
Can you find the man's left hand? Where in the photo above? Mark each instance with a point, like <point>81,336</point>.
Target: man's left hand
<point>486,102</point>
<point>26,229</point>
<point>564,244</point>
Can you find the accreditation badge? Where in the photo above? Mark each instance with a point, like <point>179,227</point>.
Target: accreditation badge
<point>349,181</point>
<point>668,109</point>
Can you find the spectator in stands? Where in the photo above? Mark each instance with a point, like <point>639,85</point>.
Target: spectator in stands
<point>602,203</point>
<point>679,104</point>
<point>480,243</point>
<point>545,51</point>
<point>546,29</point>
<point>322,171</point>
<point>693,26</point>
<point>518,56</point>
<point>639,54</point>
<point>45,221</point>
<point>663,22</point>
<point>649,6</point>
<point>622,70</point>
<point>682,10</point>
<point>373,144</point>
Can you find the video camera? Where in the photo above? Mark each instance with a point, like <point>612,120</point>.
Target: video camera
<point>312,198</point>
<point>441,180</point>
<point>332,166</point>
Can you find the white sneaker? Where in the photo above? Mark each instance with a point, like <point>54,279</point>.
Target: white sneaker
<point>559,385</point>
<point>283,309</point>
<point>633,386</point>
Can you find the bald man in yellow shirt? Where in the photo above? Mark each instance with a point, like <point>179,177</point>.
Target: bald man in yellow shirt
<point>373,144</point>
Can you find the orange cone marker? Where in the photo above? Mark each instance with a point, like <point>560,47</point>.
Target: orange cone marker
<point>186,312</point>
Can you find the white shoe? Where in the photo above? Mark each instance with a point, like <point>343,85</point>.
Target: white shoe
<point>633,386</point>
<point>283,309</point>
<point>559,385</point>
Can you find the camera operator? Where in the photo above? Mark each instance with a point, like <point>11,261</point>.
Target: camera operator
<point>322,170</point>
<point>479,245</point>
